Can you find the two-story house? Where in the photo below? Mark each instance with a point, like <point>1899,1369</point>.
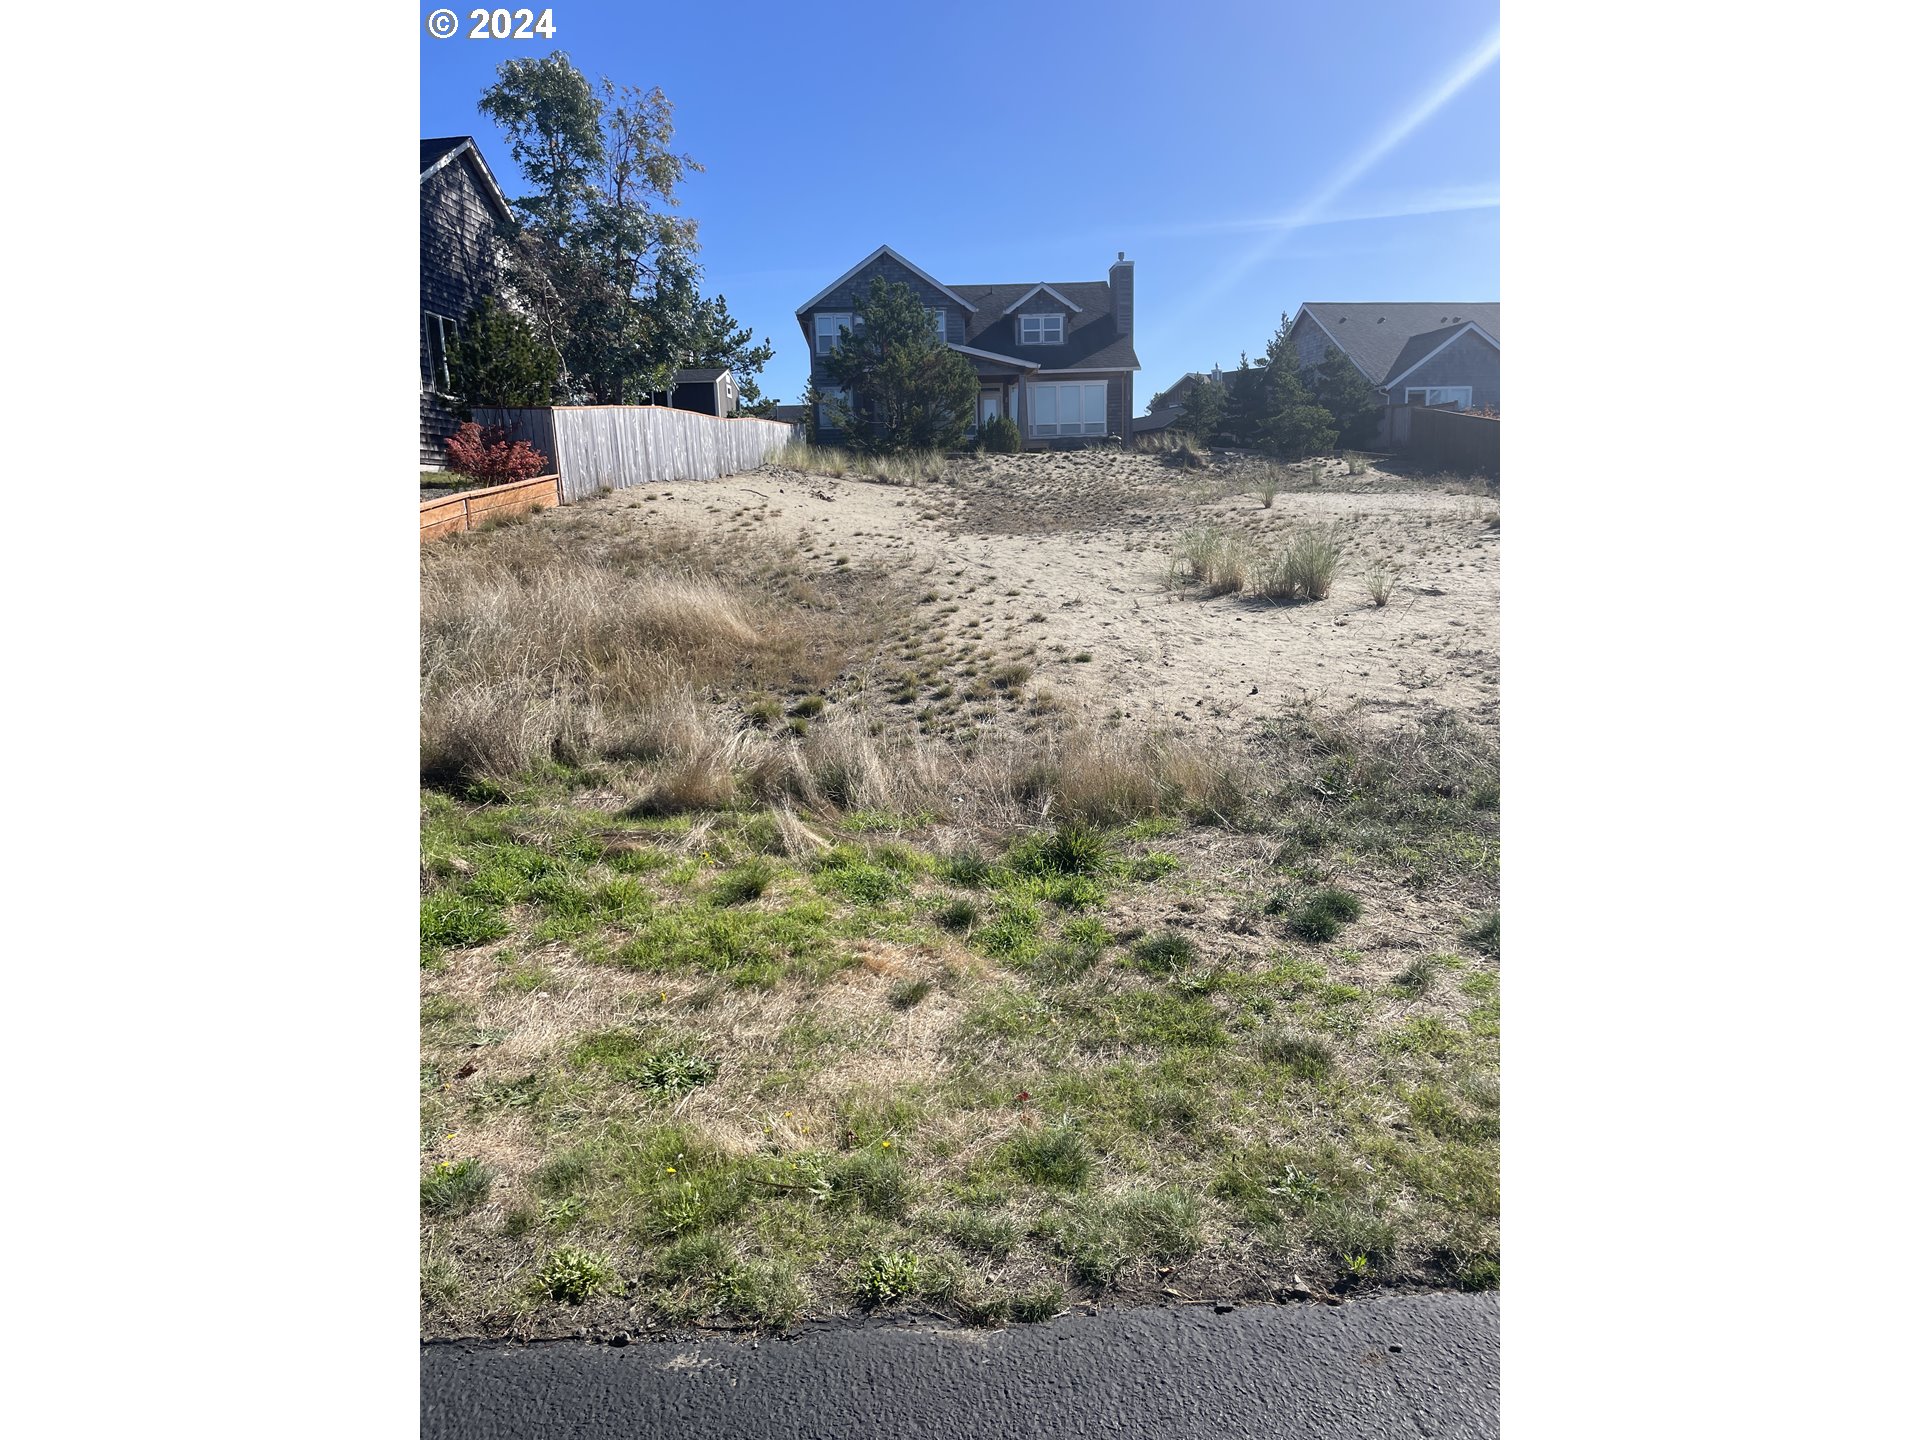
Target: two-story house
<point>460,206</point>
<point>1055,357</point>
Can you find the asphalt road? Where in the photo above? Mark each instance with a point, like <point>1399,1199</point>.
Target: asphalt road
<point>1416,1365</point>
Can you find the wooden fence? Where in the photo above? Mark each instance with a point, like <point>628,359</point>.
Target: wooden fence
<point>451,514</point>
<point>1437,439</point>
<point>612,447</point>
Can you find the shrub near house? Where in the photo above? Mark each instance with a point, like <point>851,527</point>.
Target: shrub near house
<point>490,454</point>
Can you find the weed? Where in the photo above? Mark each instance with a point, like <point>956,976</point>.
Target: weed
<point>959,915</point>
<point>572,1276</point>
<point>458,922</point>
<point>995,1235</point>
<point>1302,1056</point>
<point>455,1187</point>
<point>1012,677</point>
<point>1267,485</point>
<point>1322,914</point>
<point>872,1179</point>
<point>1163,954</point>
<point>1055,1157</point>
<point>1034,1306</point>
<point>906,994</point>
<point>1380,583</point>
<point>742,883</point>
<point>1154,865</point>
<point>1418,976</point>
<point>888,1276</point>
<point>1484,934</point>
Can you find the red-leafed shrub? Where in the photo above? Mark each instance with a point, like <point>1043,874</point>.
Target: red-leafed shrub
<point>490,453</point>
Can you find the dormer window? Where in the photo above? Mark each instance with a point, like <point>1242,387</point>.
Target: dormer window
<point>1043,329</point>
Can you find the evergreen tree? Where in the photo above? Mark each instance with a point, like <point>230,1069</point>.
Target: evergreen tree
<point>1346,394</point>
<point>1289,423</point>
<point>1244,407</point>
<point>498,360</point>
<point>1203,410</point>
<point>909,391</point>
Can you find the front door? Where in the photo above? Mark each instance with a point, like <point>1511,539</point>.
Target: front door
<point>989,405</point>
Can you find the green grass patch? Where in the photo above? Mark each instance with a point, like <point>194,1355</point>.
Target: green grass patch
<point>455,1187</point>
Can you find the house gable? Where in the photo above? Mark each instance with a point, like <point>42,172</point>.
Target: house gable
<point>1468,358</point>
<point>1375,334</point>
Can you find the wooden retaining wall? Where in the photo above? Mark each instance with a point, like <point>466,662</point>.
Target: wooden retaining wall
<point>451,514</point>
<point>612,447</point>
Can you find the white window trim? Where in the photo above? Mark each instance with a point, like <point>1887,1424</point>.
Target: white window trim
<point>1048,430</point>
<point>1059,319</point>
<point>843,320</point>
<point>940,325</point>
<point>1049,290</point>
<point>1427,392</point>
<point>439,326</point>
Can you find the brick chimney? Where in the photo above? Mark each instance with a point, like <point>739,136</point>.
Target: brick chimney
<point>1120,277</point>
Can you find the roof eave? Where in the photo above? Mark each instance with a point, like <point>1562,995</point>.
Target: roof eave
<point>886,250</point>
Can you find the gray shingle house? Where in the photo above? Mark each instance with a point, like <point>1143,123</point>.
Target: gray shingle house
<point>1055,357</point>
<point>460,205</point>
<point>1419,353</point>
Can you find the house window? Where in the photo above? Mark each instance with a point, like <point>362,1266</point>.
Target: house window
<point>1455,396</point>
<point>827,328</point>
<point>1069,409</point>
<point>828,421</point>
<point>940,325</point>
<point>437,333</point>
<point>1043,329</point>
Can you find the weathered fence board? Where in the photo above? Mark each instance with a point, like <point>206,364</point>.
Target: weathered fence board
<point>451,514</point>
<point>612,447</point>
<point>1440,439</point>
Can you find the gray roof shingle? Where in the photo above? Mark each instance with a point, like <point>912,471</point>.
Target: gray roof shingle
<point>1093,340</point>
<point>1384,337</point>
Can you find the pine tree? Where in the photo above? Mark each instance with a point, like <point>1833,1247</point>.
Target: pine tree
<point>1202,411</point>
<point>1341,390</point>
<point>909,391</point>
<point>497,360</point>
<point>1240,416</point>
<point>1290,424</point>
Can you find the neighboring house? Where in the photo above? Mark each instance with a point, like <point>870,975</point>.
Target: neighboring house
<point>1412,353</point>
<point>1056,358</point>
<point>460,205</point>
<point>789,414</point>
<point>1173,401</point>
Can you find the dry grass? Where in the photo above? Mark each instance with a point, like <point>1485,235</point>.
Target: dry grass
<point>908,468</point>
<point>533,652</point>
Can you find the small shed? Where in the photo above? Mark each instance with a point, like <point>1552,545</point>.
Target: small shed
<point>710,392</point>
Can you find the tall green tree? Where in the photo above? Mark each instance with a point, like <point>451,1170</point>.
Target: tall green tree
<point>1245,405</point>
<point>1289,424</point>
<point>908,390</point>
<point>1203,411</point>
<point>499,360</point>
<point>597,261</point>
<point>1340,389</point>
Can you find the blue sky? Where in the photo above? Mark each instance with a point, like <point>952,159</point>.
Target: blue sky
<point>1247,158</point>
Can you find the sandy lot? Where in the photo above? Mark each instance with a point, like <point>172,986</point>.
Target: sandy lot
<point>1068,554</point>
